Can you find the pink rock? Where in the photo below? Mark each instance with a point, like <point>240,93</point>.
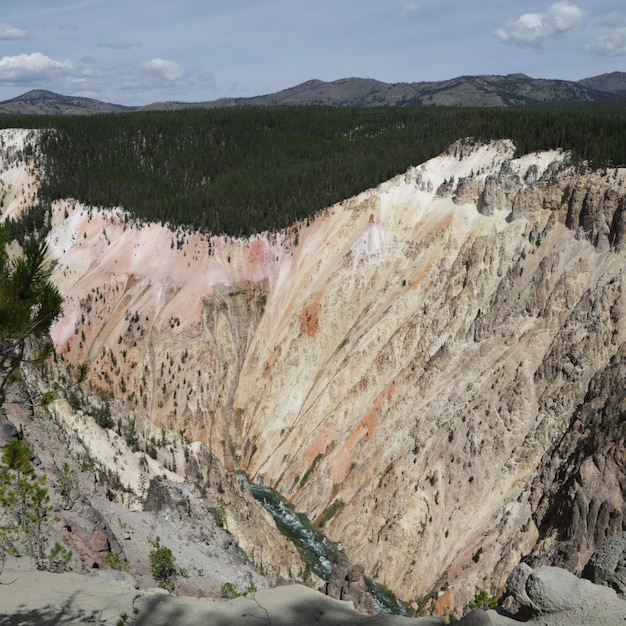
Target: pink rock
<point>99,542</point>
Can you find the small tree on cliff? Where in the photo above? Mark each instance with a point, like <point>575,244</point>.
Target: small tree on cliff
<point>23,501</point>
<point>29,303</point>
<point>163,564</point>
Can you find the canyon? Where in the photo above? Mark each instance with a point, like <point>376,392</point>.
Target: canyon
<point>432,371</point>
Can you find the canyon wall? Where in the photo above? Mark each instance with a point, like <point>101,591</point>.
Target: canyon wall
<point>431,370</point>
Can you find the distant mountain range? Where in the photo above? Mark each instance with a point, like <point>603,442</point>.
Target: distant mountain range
<point>509,90</point>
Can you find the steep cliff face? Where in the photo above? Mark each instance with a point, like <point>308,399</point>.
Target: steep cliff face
<point>415,368</point>
<point>578,494</point>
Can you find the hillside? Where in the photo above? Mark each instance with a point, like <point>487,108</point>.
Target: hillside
<point>42,102</point>
<point>510,90</point>
<point>614,82</point>
<point>480,90</point>
<point>414,368</point>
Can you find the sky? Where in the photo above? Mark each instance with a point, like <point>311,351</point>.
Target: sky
<point>136,52</point>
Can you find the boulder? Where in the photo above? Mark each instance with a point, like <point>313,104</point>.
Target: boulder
<point>607,565</point>
<point>99,542</point>
<point>158,497</point>
<point>550,589</point>
<point>7,431</point>
<point>516,585</point>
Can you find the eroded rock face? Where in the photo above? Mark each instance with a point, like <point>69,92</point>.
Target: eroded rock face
<point>578,493</point>
<point>414,373</point>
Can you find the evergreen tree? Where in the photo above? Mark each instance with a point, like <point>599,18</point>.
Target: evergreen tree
<point>23,502</point>
<point>29,303</point>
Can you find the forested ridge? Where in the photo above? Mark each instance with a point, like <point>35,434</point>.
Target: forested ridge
<point>244,170</point>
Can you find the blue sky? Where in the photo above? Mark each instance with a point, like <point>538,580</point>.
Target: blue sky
<point>140,51</point>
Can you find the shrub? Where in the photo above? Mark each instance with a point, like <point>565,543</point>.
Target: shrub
<point>58,558</point>
<point>115,561</point>
<point>74,400</point>
<point>67,480</point>
<point>219,513</point>
<point>482,600</point>
<point>102,413</point>
<point>229,591</point>
<point>162,564</point>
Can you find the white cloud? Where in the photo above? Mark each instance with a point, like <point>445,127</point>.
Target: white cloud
<point>166,69</point>
<point>10,32</point>
<point>611,44</point>
<point>159,77</point>
<point>532,29</point>
<point>26,67</point>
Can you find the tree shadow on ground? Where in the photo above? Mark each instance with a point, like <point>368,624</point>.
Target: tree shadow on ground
<point>61,615</point>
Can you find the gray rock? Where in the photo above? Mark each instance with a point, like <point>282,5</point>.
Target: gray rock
<point>346,583</point>
<point>550,589</point>
<point>607,565</point>
<point>88,512</point>
<point>158,497</point>
<point>553,589</point>
<point>7,431</point>
<point>516,585</point>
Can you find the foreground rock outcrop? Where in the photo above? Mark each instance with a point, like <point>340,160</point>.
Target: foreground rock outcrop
<point>607,565</point>
<point>429,370</point>
<point>551,590</point>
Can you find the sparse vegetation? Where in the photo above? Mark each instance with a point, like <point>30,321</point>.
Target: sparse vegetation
<point>482,600</point>
<point>163,565</point>
<point>219,513</point>
<point>114,560</point>
<point>25,503</point>
<point>231,590</point>
<point>67,480</point>
<point>330,512</point>
<point>102,412</point>
<point>58,558</point>
<point>311,469</point>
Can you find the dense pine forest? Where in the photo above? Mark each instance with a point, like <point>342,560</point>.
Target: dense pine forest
<point>243,170</point>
